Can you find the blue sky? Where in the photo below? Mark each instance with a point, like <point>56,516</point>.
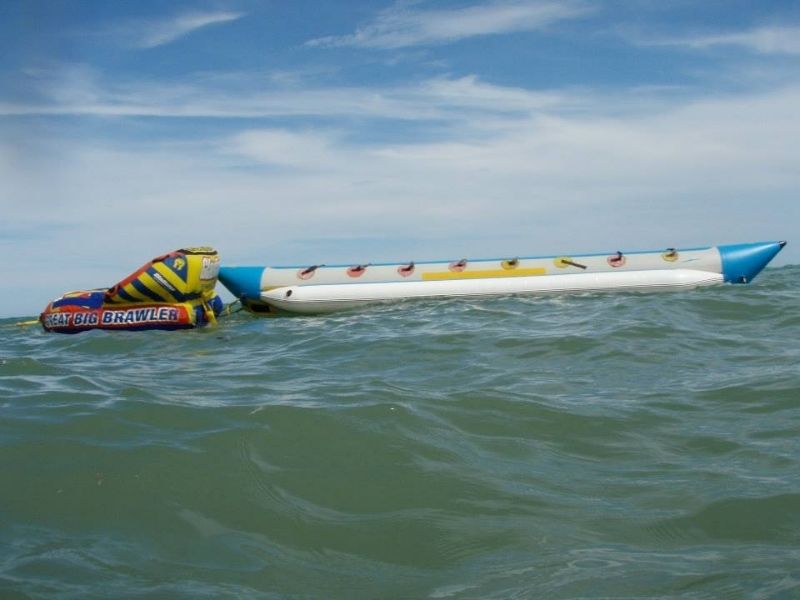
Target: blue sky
<point>314,131</point>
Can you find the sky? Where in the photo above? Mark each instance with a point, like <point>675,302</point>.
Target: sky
<point>310,131</point>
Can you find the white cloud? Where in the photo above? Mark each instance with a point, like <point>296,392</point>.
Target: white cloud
<point>471,92</point>
<point>76,90</point>
<point>402,26</point>
<point>700,152</point>
<point>762,40</point>
<point>153,33</point>
<point>283,148</point>
<point>527,176</point>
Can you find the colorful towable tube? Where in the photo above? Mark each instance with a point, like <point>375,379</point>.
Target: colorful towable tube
<point>173,291</point>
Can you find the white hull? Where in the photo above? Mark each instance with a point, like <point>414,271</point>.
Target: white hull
<point>316,299</point>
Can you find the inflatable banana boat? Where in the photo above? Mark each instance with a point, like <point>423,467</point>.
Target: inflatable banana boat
<point>173,291</point>
<point>314,289</point>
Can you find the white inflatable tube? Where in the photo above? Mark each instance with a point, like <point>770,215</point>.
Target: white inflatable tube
<point>320,288</point>
<point>316,299</point>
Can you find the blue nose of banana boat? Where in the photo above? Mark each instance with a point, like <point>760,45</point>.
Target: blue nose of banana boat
<point>742,262</point>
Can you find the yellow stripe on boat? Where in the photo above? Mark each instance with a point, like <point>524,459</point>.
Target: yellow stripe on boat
<point>133,293</point>
<point>156,288</point>
<point>484,274</point>
<point>171,276</point>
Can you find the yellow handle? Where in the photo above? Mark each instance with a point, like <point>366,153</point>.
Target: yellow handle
<point>210,316</point>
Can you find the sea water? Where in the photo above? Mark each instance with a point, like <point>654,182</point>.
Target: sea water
<point>578,446</point>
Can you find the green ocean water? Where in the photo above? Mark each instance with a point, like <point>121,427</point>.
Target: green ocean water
<point>583,446</point>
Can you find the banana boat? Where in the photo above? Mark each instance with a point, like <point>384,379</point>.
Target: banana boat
<point>321,288</point>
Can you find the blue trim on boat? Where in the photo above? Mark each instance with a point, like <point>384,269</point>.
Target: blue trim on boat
<point>742,262</point>
<point>481,260</point>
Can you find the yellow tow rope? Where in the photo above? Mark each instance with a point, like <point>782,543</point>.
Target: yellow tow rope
<point>210,316</point>
<point>27,323</point>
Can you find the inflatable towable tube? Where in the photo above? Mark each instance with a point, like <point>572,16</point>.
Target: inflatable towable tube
<point>324,288</point>
<point>173,291</point>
